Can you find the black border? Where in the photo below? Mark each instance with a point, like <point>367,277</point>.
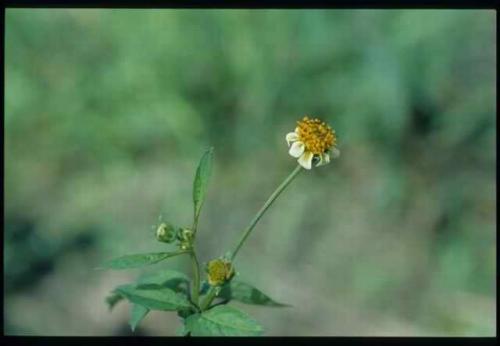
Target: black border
<point>263,4</point>
<point>221,4</point>
<point>268,340</point>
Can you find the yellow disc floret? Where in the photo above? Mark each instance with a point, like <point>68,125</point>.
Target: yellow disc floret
<point>219,271</point>
<point>316,135</point>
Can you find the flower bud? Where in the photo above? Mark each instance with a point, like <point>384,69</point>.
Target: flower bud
<point>165,233</point>
<point>219,271</point>
<point>185,237</point>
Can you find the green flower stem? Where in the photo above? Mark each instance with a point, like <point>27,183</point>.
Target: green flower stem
<point>208,298</point>
<point>195,225</point>
<point>195,292</point>
<point>266,206</point>
<point>212,292</point>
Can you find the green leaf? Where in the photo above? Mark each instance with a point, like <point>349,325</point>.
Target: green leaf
<point>167,278</point>
<point>222,320</point>
<point>181,331</point>
<point>201,178</point>
<point>138,260</point>
<point>172,279</point>
<point>113,299</point>
<point>156,298</point>
<point>137,314</point>
<point>247,294</point>
<point>162,278</point>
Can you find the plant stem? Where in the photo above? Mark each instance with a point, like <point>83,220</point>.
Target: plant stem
<point>195,292</point>
<point>212,292</point>
<point>195,226</point>
<point>208,298</point>
<point>262,210</point>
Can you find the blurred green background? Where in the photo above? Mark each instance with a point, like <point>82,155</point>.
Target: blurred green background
<point>108,111</point>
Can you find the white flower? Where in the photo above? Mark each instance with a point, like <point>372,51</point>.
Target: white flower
<point>312,139</point>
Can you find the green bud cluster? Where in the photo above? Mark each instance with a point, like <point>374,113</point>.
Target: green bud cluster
<point>166,233</point>
<point>185,237</point>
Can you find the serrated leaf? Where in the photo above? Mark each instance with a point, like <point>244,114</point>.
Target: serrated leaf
<point>247,294</point>
<point>157,298</point>
<point>201,178</point>
<point>137,314</point>
<point>138,260</point>
<point>223,320</point>
<point>167,278</point>
<point>113,299</point>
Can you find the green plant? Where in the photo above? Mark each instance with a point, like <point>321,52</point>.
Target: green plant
<point>313,141</point>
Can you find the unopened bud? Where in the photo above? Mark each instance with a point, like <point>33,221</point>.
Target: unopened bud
<point>165,233</point>
<point>185,237</point>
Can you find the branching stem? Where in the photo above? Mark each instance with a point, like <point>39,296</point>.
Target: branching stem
<point>212,292</point>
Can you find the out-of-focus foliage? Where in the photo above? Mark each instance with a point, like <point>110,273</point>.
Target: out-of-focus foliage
<point>108,111</point>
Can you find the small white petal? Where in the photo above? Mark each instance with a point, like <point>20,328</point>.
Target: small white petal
<point>297,149</point>
<point>291,137</point>
<point>326,157</point>
<point>335,153</point>
<point>306,160</point>
<point>320,161</point>
<point>297,130</point>
<point>323,160</point>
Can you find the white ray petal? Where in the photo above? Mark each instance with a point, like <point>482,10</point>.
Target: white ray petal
<point>335,153</point>
<point>320,161</point>
<point>297,149</point>
<point>323,160</point>
<point>306,160</point>
<point>326,158</point>
<point>291,137</point>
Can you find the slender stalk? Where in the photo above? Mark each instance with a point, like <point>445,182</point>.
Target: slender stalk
<point>262,210</point>
<point>208,299</point>
<point>212,292</point>
<point>195,225</point>
<point>195,292</point>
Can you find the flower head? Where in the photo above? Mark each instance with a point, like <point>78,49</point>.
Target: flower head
<point>219,271</point>
<point>312,139</point>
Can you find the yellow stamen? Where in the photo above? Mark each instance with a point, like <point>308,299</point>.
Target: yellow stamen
<point>316,135</point>
<point>219,271</point>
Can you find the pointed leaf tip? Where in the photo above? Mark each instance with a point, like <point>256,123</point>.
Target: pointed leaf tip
<point>137,314</point>
<point>246,293</point>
